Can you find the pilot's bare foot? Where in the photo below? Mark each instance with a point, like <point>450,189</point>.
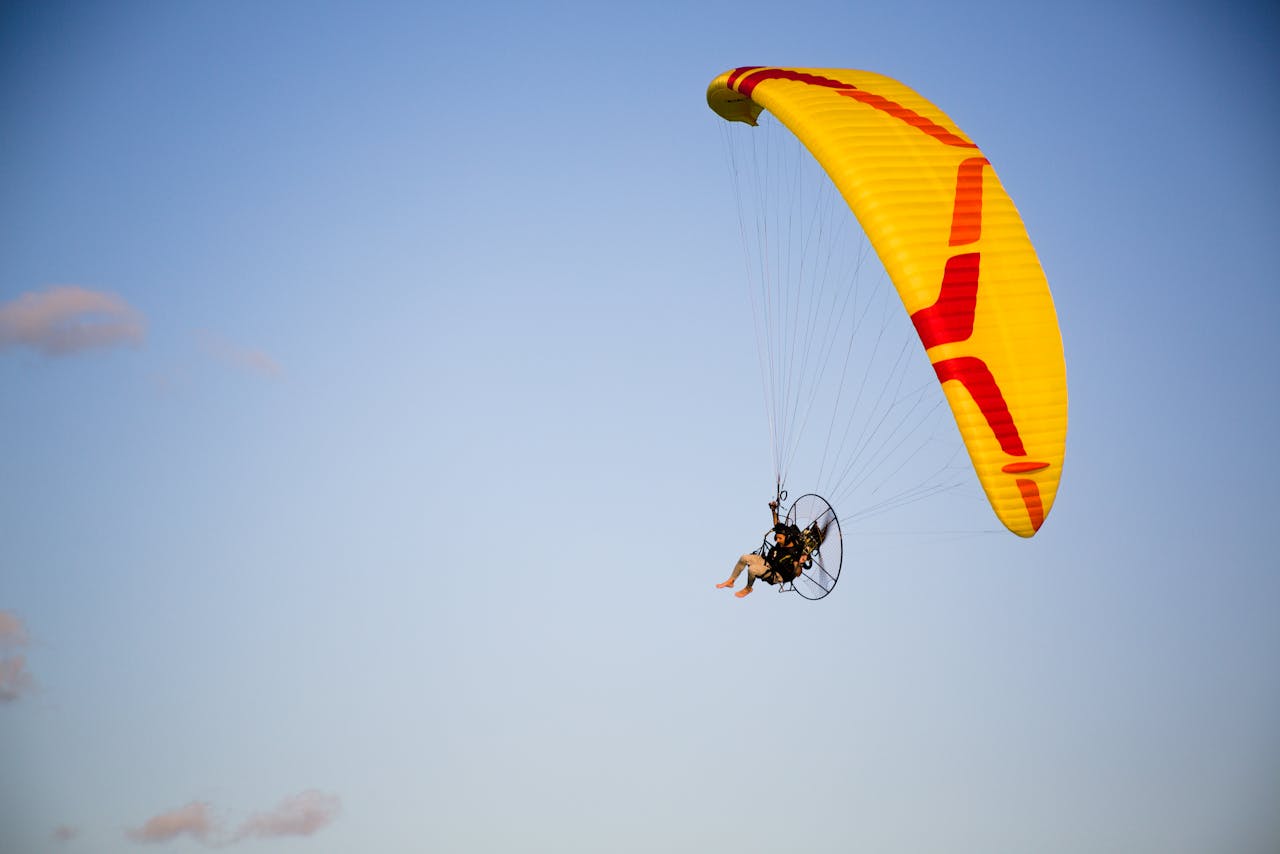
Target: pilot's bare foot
<point>743,592</point>
<point>728,583</point>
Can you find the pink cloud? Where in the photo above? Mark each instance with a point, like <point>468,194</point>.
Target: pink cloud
<point>65,833</point>
<point>12,632</point>
<point>67,319</point>
<point>244,358</point>
<point>14,678</point>
<point>300,815</point>
<point>192,820</point>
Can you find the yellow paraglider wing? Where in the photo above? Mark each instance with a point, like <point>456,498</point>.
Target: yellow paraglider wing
<point>958,254</point>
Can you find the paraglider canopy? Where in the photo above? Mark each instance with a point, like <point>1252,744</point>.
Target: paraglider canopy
<point>958,255</point>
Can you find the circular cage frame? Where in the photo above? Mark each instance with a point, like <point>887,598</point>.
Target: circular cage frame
<point>822,570</point>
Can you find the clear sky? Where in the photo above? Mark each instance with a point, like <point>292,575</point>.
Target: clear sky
<point>381,509</point>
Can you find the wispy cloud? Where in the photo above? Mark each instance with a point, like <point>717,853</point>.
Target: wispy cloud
<point>243,358</point>
<point>67,319</point>
<point>15,679</point>
<point>65,833</point>
<point>192,820</point>
<point>300,815</point>
<point>12,631</point>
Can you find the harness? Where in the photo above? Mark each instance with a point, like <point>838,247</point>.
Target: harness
<point>807,542</point>
<point>769,549</point>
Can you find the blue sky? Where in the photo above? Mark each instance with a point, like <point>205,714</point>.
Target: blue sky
<point>389,518</point>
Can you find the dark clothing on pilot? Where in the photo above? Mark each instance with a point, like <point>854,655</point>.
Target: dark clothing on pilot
<point>785,561</point>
